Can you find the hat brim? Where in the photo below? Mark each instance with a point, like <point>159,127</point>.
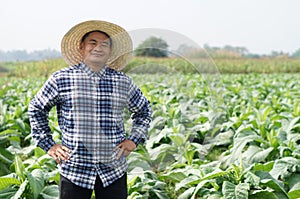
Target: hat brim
<point>121,43</point>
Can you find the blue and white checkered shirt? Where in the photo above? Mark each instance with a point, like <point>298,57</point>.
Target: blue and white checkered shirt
<point>90,115</point>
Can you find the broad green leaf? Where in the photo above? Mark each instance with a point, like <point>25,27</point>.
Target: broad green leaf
<point>50,192</point>
<point>133,180</point>
<point>256,154</point>
<point>203,185</point>
<point>193,180</point>
<point>260,194</point>
<point>8,181</point>
<point>5,156</point>
<point>293,180</point>
<point>136,187</point>
<point>46,159</point>
<point>4,169</point>
<point>161,151</point>
<point>215,174</point>
<point>136,195</point>
<point>19,167</point>
<point>53,176</point>
<point>38,152</point>
<point>9,132</point>
<point>223,138</point>
<point>296,109</point>
<point>20,190</point>
<point>293,124</point>
<point>214,196</point>
<point>158,123</point>
<point>294,192</point>
<point>284,151</point>
<point>20,124</point>
<point>294,186</point>
<point>177,139</point>
<point>8,193</point>
<point>138,160</point>
<point>239,146</point>
<point>263,167</point>
<point>155,139</point>
<point>269,181</point>
<point>36,181</point>
<point>284,167</point>
<point>186,182</point>
<point>263,114</point>
<point>175,176</point>
<point>161,194</point>
<point>252,179</point>
<point>187,193</point>
<point>232,191</point>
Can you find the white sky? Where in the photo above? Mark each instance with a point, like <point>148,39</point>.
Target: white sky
<point>259,25</point>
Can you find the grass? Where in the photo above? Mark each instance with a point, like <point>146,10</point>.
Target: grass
<point>148,65</point>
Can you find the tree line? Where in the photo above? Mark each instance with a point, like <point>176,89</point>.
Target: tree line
<point>156,47</point>
<point>23,55</point>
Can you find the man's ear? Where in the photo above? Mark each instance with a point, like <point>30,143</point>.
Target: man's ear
<point>81,47</point>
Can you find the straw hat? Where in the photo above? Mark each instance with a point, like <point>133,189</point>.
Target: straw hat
<point>121,43</point>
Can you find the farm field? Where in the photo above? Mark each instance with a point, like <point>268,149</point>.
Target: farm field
<point>213,136</point>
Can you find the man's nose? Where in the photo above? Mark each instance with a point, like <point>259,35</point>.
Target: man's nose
<point>98,47</point>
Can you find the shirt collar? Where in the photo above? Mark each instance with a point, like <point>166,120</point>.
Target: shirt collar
<point>90,72</point>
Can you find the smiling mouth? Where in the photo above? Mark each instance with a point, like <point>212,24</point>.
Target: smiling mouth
<point>98,55</point>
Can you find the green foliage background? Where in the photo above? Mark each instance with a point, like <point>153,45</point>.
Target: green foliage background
<point>231,133</point>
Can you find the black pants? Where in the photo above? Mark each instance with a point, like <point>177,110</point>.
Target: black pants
<point>117,190</point>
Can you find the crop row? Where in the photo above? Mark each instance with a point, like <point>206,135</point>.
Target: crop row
<point>212,136</point>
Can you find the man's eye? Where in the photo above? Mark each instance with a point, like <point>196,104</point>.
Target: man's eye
<point>104,44</point>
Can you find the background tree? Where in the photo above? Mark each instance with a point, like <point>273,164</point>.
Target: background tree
<point>152,47</point>
<point>296,54</point>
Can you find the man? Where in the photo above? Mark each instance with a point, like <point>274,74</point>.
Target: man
<point>90,97</point>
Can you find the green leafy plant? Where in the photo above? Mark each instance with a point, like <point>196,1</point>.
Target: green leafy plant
<point>245,145</point>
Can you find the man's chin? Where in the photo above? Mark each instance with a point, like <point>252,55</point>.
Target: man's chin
<point>95,62</point>
<point>97,59</point>
<point>98,63</point>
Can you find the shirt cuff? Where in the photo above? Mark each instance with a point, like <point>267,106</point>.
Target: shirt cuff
<point>136,140</point>
<point>46,144</point>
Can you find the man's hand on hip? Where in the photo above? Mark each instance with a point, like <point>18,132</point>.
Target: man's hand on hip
<point>125,147</point>
<point>59,153</point>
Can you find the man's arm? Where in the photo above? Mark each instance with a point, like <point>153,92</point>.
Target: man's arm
<point>139,105</point>
<point>38,112</point>
<point>142,115</point>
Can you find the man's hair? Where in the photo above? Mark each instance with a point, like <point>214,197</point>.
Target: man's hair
<point>88,33</point>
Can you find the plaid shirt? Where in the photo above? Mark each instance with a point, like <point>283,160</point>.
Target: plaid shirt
<point>90,115</point>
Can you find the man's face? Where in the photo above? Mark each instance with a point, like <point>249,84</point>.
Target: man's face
<point>96,49</point>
